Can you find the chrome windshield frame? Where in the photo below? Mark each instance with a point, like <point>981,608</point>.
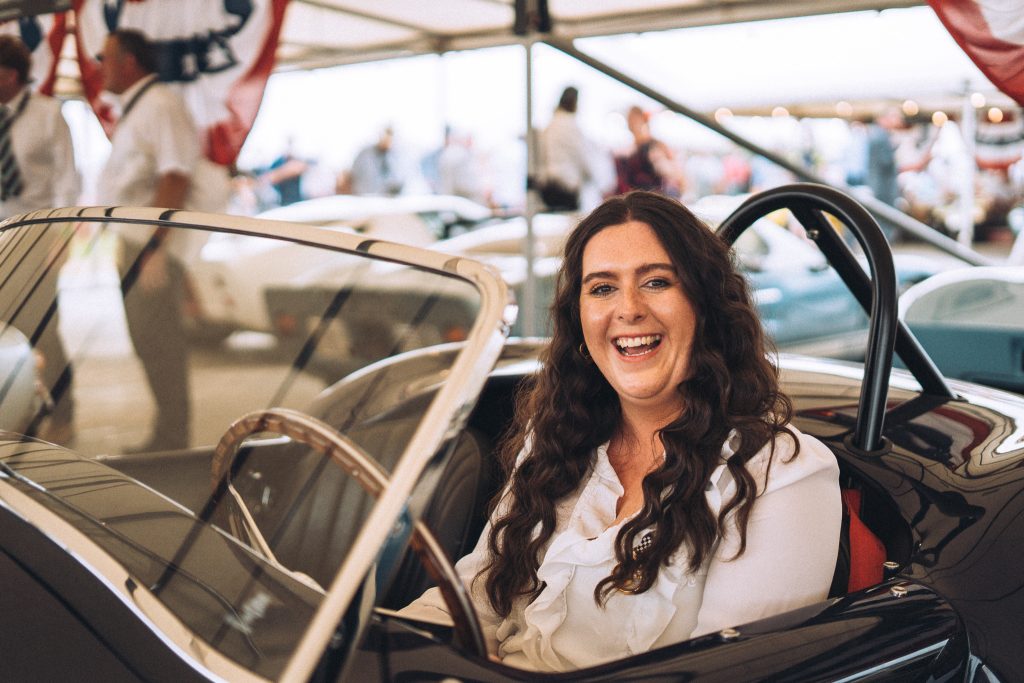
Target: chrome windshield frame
<point>469,370</point>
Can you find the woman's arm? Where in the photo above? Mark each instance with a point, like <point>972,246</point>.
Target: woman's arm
<point>431,606</point>
<point>792,543</point>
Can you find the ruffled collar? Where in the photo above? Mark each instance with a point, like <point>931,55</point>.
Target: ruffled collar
<point>584,551</point>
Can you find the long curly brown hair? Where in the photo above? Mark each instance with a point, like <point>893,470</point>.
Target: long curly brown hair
<point>568,409</point>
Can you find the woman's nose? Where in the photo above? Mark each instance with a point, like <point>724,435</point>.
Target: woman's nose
<point>631,306</point>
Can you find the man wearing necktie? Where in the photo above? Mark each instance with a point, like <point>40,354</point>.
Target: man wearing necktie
<point>37,171</point>
<point>155,153</point>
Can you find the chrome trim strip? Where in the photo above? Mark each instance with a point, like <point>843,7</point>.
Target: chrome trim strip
<point>468,373</point>
<point>919,654</point>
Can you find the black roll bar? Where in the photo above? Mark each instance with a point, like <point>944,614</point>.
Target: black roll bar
<point>877,294</point>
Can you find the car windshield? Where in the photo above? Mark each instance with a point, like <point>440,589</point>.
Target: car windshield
<point>129,349</point>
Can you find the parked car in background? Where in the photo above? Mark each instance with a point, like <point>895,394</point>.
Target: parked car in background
<point>503,245</point>
<point>308,507</point>
<point>971,321</point>
<point>217,305</point>
<point>413,219</point>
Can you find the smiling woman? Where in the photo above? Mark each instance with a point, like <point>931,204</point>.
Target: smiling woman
<point>637,322</point>
<point>656,489</point>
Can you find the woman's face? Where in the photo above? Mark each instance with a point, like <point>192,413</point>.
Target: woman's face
<point>637,322</point>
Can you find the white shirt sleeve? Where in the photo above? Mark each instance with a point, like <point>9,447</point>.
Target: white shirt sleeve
<point>155,137</point>
<point>174,139</point>
<point>792,542</point>
<point>42,146</point>
<point>431,605</point>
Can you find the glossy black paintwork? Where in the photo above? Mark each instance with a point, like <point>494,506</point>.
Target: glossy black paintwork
<point>208,578</point>
<point>904,636</point>
<point>954,472</point>
<point>62,623</point>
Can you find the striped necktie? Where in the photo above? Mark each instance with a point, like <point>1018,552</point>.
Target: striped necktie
<point>10,176</point>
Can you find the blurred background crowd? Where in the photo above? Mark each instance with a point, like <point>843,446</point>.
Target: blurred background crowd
<point>910,160</point>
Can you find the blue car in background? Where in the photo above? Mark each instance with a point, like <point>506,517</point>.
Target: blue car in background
<point>804,305</point>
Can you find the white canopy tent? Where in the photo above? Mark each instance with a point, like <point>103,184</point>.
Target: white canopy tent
<point>329,32</point>
<point>793,66</point>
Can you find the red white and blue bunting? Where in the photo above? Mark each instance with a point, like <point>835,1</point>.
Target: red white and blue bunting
<point>219,52</point>
<point>991,32</point>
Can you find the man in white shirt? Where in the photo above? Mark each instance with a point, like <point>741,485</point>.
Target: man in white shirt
<point>378,169</point>
<point>42,169</point>
<point>568,162</point>
<point>155,153</point>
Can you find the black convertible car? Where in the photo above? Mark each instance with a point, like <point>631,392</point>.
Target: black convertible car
<point>308,507</point>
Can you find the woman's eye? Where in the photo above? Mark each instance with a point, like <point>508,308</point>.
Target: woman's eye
<point>658,283</point>
<point>600,290</point>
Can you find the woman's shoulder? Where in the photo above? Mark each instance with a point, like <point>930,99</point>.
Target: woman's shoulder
<point>780,462</point>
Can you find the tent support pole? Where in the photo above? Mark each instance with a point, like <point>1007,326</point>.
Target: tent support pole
<point>528,306</point>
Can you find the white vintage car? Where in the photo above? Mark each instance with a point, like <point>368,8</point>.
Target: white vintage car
<point>221,300</point>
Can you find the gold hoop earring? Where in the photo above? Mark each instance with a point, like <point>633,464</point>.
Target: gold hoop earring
<point>582,348</point>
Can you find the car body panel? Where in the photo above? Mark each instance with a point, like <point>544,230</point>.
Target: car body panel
<point>142,533</point>
<point>911,638</point>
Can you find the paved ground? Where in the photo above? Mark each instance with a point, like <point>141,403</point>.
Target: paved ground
<point>113,405</point>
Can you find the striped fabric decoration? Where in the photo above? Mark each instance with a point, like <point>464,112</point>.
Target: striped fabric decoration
<point>10,176</point>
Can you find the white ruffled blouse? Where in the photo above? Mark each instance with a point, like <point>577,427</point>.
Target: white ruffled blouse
<point>792,542</point>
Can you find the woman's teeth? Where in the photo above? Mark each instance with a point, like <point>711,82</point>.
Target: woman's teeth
<point>635,346</point>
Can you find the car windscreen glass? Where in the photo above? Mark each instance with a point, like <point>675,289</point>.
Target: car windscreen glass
<point>137,348</point>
